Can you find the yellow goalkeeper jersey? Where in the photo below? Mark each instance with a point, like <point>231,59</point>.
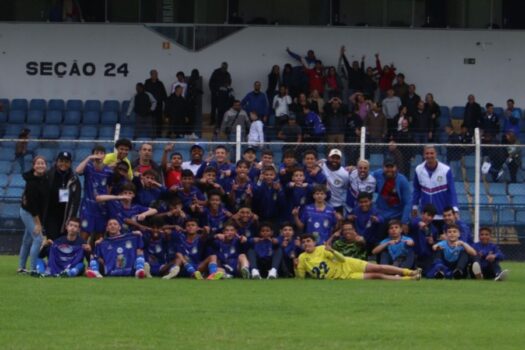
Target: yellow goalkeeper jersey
<point>322,264</point>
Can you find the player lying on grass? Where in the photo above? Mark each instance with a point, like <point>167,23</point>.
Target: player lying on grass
<point>118,254</point>
<point>65,255</point>
<point>323,262</point>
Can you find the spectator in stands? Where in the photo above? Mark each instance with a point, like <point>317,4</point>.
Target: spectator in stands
<point>256,101</point>
<point>422,124</point>
<point>454,153</point>
<point>290,133</point>
<point>370,85</point>
<point>490,121</point>
<point>401,87</point>
<point>391,108</point>
<point>194,97</point>
<point>387,75</point>
<point>355,74</point>
<point>233,117</point>
<point>316,78</point>
<point>178,113</point>
<point>21,150</point>
<point>172,170</point>
<point>181,81</point>
<point>145,161</point>
<point>256,133</point>
<point>513,159</point>
<point>401,156</point>
<point>281,105</point>
<point>433,183</point>
<point>337,179</point>
<point>64,196</point>
<point>411,100</point>
<point>287,76</point>
<point>432,108</point>
<point>316,102</point>
<point>466,137</point>
<point>196,159</point>
<point>314,130</point>
<point>472,114</point>
<point>512,118</point>
<point>310,58</point>
<point>399,121</point>
<point>123,146</point>
<point>142,104</point>
<point>220,80</point>
<point>32,209</point>
<point>333,84</point>
<point>361,106</point>
<point>493,157</point>
<point>393,200</point>
<point>335,118</point>
<point>274,83</point>
<point>156,88</point>
<point>376,123</point>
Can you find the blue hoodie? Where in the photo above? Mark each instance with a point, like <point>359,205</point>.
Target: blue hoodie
<point>402,188</point>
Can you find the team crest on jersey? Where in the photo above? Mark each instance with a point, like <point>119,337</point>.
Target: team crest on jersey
<point>232,250</point>
<point>120,250</point>
<point>248,233</point>
<point>326,223</point>
<point>317,225</point>
<point>129,245</point>
<point>194,250</point>
<point>303,200</point>
<point>440,178</point>
<point>84,223</point>
<point>103,182</point>
<point>158,249</point>
<point>316,235</point>
<point>337,182</point>
<point>121,261</point>
<point>368,188</point>
<point>65,248</point>
<point>274,196</point>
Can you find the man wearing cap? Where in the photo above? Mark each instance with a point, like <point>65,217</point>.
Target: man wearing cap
<point>337,179</point>
<point>195,162</point>
<point>393,200</point>
<point>64,196</point>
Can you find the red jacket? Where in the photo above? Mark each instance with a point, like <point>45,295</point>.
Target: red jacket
<point>315,80</point>
<point>385,78</point>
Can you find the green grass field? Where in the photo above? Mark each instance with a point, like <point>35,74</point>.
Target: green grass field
<point>124,313</point>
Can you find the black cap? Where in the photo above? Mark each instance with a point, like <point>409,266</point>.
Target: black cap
<point>250,149</point>
<point>65,155</point>
<point>196,146</point>
<point>389,161</point>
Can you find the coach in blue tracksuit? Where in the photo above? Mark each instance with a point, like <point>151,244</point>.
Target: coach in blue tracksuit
<point>256,101</point>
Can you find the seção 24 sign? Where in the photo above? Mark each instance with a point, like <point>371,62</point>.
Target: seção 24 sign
<point>88,69</point>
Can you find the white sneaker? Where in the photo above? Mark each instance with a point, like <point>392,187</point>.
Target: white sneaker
<point>93,274</point>
<point>173,273</point>
<point>245,273</point>
<point>255,274</point>
<point>502,276</point>
<point>147,270</point>
<point>272,274</point>
<point>193,136</point>
<point>476,269</point>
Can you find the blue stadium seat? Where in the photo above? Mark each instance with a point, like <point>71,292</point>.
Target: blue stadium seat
<point>5,167</point>
<point>4,180</point>
<point>35,117</point>
<point>376,160</point>
<point>17,116</point>
<point>37,104</point>
<point>3,117</point>
<point>445,112</point>
<point>457,112</point>
<point>54,117</point>
<point>74,105</point>
<point>19,104</point>
<point>507,216</point>
<point>13,130</point>
<point>470,160</point>
<point>81,153</point>
<point>48,153</point>
<point>70,132</point>
<point>124,107</point>
<point>465,215</point>
<point>498,188</point>
<point>88,132</point>
<point>92,106</point>
<point>7,154</point>
<point>36,130</point>
<point>56,105</point>
<point>486,216</point>
<point>500,199</point>
<point>111,106</point>
<point>17,181</point>
<point>5,104</point>
<point>72,117</point>
<point>11,211</point>
<point>516,189</point>
<point>109,118</point>
<point>91,117</point>
<point>518,199</point>
<point>14,192</point>
<point>106,132</point>
<point>499,111</point>
<point>127,131</point>
<point>520,216</point>
<point>462,199</point>
<point>51,131</point>
<point>460,187</point>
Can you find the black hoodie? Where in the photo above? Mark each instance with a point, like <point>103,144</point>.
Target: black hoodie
<point>36,193</point>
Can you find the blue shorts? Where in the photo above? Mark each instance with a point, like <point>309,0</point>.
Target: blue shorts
<point>185,273</point>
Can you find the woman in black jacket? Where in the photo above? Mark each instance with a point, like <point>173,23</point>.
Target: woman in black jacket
<point>34,200</point>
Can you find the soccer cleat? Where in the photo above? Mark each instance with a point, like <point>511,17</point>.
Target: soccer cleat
<point>215,276</point>
<point>140,274</point>
<point>502,276</point>
<point>245,273</point>
<point>476,270</point>
<point>198,275</point>
<point>64,274</point>
<point>272,274</point>
<point>419,273</point>
<point>21,271</point>
<point>255,274</point>
<point>458,274</point>
<point>93,274</point>
<point>147,270</point>
<point>172,274</point>
<point>439,275</point>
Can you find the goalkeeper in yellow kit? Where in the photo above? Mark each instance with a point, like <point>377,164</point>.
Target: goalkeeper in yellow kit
<point>322,262</point>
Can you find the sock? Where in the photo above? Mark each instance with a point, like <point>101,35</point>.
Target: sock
<point>75,270</point>
<point>189,269</point>
<point>407,272</point>
<point>40,266</point>
<point>139,263</point>
<point>93,265</point>
<point>405,278</point>
<point>212,267</point>
<point>175,268</point>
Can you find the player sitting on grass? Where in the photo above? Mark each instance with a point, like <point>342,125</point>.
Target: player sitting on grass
<point>240,187</point>
<point>367,220</point>
<point>323,262</point>
<point>451,256</point>
<point>347,242</point>
<point>119,254</point>
<point>191,250</point>
<point>246,222</point>
<point>264,253</point>
<point>214,214</point>
<point>291,248</point>
<point>397,249</point>
<point>488,258</point>
<point>188,193</point>
<point>229,248</point>
<point>66,253</point>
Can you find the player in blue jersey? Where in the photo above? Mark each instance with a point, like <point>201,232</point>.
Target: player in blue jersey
<point>425,235</point>
<point>230,250</point>
<point>297,194</point>
<point>246,222</point>
<point>118,254</point>
<point>65,254</point>
<point>119,178</point>
<point>122,209</point>
<point>239,188</point>
<point>268,196</point>
<point>264,254</point>
<point>312,171</point>
<point>149,190</point>
<point>208,182</point>
<point>192,247</point>
<point>215,215</point>
<point>287,167</point>
<point>221,163</point>
<point>397,249</point>
<point>451,257</point>
<point>367,220</point>
<point>97,176</point>
<point>319,218</point>
<point>189,194</point>
<point>450,218</point>
<point>290,245</point>
<point>254,171</point>
<point>489,256</point>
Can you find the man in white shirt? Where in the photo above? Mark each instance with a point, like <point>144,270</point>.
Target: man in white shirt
<point>196,155</point>
<point>360,180</point>
<point>281,105</point>
<point>181,81</point>
<point>337,179</point>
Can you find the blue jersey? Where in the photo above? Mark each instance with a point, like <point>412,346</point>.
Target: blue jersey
<point>254,174</point>
<point>187,197</point>
<point>119,254</point>
<point>228,252</point>
<point>317,179</point>
<point>400,249</point>
<point>450,254</point>
<point>241,198</point>
<point>193,251</point>
<point>485,249</point>
<point>155,249</point>
<point>320,223</point>
<point>263,249</point>
<point>248,230</point>
<point>148,196</point>
<point>422,248</point>
<point>172,244</point>
<point>267,201</point>
<point>365,227</point>
<point>91,212</point>
<point>465,234</point>
<point>116,186</point>
<point>291,251</point>
<point>221,169</point>
<point>64,254</point>
<point>215,222</point>
<point>117,211</point>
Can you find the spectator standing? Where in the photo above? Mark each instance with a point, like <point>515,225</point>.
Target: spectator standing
<point>281,105</point>
<point>21,149</point>
<point>412,99</point>
<point>387,74</point>
<point>178,113</point>
<point>354,73</point>
<point>376,123</point>
<point>432,108</point>
<point>335,118</point>
<point>142,104</point>
<point>422,124</point>
<point>256,101</point>
<point>233,117</point>
<point>472,114</point>
<point>274,82</point>
<point>256,133</point>
<point>181,81</point>
<point>194,98</point>
<point>157,89</point>
<point>220,79</point>
<point>391,105</point>
<point>401,87</point>
<point>512,118</point>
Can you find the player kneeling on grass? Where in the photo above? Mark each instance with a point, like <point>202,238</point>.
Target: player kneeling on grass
<point>66,253</point>
<point>488,258</point>
<point>397,249</point>
<point>451,256</point>
<point>191,249</point>
<point>229,248</point>
<point>290,246</point>
<point>323,262</point>
<point>118,254</point>
<point>264,253</point>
